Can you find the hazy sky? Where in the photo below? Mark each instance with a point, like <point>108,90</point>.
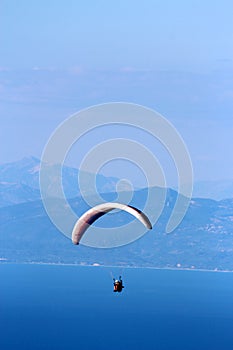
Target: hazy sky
<point>173,56</point>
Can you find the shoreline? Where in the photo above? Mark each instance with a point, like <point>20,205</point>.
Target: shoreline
<point>96,265</point>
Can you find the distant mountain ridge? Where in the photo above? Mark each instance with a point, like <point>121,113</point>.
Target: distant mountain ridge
<point>19,182</point>
<point>14,193</point>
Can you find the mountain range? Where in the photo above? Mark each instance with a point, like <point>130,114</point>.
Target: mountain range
<point>204,239</point>
<point>19,182</point>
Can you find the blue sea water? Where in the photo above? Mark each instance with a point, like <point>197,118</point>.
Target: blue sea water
<point>69,307</point>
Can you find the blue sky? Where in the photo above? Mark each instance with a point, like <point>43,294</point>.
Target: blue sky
<point>103,34</point>
<point>173,56</point>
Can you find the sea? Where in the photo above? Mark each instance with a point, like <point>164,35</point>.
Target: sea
<point>61,307</point>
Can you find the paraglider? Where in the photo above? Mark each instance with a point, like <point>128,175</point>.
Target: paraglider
<point>93,214</point>
<point>117,285</point>
<point>96,212</point>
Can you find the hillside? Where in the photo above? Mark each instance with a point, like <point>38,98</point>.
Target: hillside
<point>204,239</point>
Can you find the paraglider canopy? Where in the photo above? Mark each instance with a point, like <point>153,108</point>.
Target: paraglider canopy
<point>90,216</point>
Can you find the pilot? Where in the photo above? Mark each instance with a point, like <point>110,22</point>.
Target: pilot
<point>117,285</point>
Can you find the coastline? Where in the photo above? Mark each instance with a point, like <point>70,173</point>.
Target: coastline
<point>5,262</point>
